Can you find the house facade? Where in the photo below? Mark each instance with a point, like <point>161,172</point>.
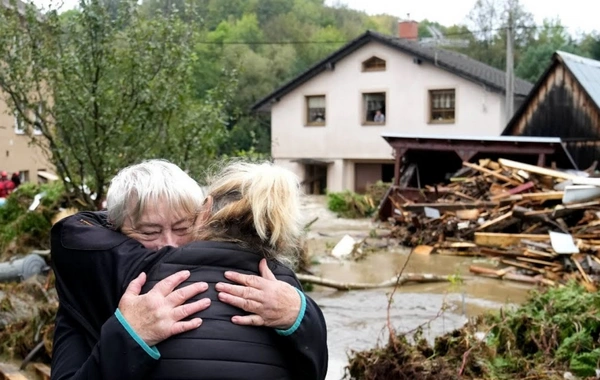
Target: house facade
<point>327,123</point>
<point>565,103</point>
<point>16,152</point>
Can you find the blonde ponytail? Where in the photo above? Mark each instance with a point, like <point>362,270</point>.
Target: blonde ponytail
<point>257,205</point>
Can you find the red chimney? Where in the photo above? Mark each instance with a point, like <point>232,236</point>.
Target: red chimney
<point>408,30</point>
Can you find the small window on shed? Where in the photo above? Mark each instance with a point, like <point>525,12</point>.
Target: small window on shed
<point>373,64</point>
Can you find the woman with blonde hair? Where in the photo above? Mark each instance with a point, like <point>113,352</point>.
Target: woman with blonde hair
<point>250,223</point>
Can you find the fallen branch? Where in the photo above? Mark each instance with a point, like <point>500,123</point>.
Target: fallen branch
<point>405,278</point>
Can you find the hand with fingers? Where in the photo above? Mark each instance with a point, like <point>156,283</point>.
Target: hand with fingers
<point>273,303</point>
<point>157,315</point>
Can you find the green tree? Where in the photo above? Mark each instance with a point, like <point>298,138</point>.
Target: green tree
<point>590,45</point>
<point>552,36</point>
<point>99,90</point>
<point>488,22</point>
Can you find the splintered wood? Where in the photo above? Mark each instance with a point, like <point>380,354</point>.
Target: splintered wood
<point>507,210</point>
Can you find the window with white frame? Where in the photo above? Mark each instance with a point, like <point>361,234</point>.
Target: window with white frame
<point>315,110</point>
<point>374,108</point>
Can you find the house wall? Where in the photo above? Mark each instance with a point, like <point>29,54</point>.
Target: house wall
<point>15,152</point>
<point>344,139</point>
<point>561,108</point>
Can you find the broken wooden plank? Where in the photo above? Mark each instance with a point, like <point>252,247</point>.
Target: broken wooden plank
<point>520,278</point>
<point>517,190</point>
<point>498,252</point>
<point>10,372</point>
<point>535,253</point>
<point>492,173</point>
<point>523,266</point>
<point>497,239</point>
<point>457,244</point>
<point>494,221</point>
<point>525,213</point>
<point>532,228</point>
<point>484,271</point>
<point>584,275</point>
<point>449,206</point>
<point>465,196</point>
<point>472,214</point>
<point>537,261</point>
<point>43,370</point>
<point>517,177</point>
<point>545,196</point>
<point>535,169</point>
<point>423,249</point>
<point>456,252</point>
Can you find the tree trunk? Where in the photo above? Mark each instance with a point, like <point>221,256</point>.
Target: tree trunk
<point>405,278</point>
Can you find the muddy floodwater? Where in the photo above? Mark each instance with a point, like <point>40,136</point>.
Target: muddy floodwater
<point>357,320</point>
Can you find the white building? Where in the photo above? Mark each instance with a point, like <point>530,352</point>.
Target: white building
<point>324,123</point>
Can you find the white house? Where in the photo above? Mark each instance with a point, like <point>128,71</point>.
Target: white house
<point>326,123</point>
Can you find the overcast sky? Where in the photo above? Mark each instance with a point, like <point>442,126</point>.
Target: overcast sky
<point>578,15</point>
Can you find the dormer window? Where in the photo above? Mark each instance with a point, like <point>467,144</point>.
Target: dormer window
<point>373,64</point>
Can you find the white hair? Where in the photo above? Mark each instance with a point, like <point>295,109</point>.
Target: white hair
<point>150,181</point>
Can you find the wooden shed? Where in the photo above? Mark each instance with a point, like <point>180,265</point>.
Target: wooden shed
<point>564,103</point>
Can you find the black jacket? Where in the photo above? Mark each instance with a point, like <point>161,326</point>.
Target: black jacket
<point>94,265</point>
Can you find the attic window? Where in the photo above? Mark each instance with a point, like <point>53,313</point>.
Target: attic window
<point>373,64</point>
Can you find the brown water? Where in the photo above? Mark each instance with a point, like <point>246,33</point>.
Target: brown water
<point>357,320</point>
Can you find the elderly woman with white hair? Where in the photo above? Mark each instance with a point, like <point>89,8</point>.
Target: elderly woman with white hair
<point>256,323</point>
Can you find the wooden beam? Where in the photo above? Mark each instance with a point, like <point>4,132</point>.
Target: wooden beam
<point>490,223</point>
<point>545,196</point>
<point>465,196</point>
<point>9,372</point>
<point>535,169</point>
<point>499,252</point>
<point>403,279</point>
<point>43,370</point>
<point>466,154</point>
<point>536,261</point>
<point>492,239</point>
<point>492,173</point>
<point>541,160</point>
<point>535,253</point>
<point>523,266</point>
<point>584,275</point>
<point>472,214</point>
<point>485,271</point>
<point>517,190</point>
<point>521,278</point>
<point>450,206</point>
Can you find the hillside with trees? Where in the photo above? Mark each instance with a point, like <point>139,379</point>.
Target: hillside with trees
<point>176,78</point>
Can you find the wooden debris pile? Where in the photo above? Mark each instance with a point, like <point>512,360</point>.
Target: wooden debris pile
<point>547,262</point>
<point>515,212</point>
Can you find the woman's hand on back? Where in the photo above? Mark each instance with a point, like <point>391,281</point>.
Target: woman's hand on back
<point>158,314</point>
<point>273,303</point>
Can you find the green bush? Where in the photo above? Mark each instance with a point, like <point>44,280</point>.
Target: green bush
<point>554,331</point>
<point>351,205</point>
<point>29,228</point>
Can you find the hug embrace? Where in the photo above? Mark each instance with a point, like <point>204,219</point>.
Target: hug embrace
<point>170,283</point>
